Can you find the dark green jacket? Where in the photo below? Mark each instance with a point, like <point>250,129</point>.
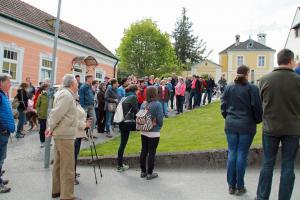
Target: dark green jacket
<point>42,105</point>
<point>280,94</point>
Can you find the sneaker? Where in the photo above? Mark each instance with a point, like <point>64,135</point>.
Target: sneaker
<point>5,182</point>
<point>108,135</point>
<point>42,145</point>
<point>152,176</point>
<point>241,191</point>
<point>20,135</point>
<point>4,189</point>
<point>76,182</point>
<point>231,190</point>
<point>2,172</point>
<point>123,168</point>
<point>143,174</point>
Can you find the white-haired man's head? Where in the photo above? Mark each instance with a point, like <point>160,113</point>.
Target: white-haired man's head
<point>70,82</point>
<point>5,82</point>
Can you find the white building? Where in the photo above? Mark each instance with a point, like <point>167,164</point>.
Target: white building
<point>293,40</point>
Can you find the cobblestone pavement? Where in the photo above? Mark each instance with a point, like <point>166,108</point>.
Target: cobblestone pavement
<point>30,181</point>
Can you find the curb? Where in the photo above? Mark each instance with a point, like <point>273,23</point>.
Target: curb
<point>215,159</point>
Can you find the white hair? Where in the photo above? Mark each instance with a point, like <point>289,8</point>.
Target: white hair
<point>68,80</point>
<point>4,77</point>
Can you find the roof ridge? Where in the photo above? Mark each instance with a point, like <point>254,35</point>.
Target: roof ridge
<point>28,15</point>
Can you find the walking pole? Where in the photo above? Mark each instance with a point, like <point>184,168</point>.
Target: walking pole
<point>91,148</point>
<point>95,149</point>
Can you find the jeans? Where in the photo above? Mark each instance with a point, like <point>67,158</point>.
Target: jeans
<point>238,149</point>
<point>187,95</point>
<point>123,143</point>
<point>172,95</point>
<point>108,118</point>
<point>43,126</point>
<point>3,150</point>
<point>97,115</point>
<point>289,152</point>
<point>91,114</point>
<point>194,95</point>
<point>21,122</point>
<point>149,146</point>
<point>208,95</point>
<point>165,107</point>
<point>77,144</point>
<point>199,99</point>
<point>179,102</point>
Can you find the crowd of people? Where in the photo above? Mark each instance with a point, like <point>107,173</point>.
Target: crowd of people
<point>145,102</point>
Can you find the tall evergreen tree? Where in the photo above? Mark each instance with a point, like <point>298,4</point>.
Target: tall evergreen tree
<point>188,48</point>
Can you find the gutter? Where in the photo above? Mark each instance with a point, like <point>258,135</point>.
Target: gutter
<point>52,34</point>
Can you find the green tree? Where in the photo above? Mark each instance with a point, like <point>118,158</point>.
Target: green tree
<point>188,48</point>
<point>145,50</point>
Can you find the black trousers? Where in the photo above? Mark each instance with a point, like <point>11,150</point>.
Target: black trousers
<point>77,145</point>
<point>101,121</point>
<point>43,126</point>
<point>149,146</point>
<point>172,95</point>
<point>124,139</point>
<point>179,102</point>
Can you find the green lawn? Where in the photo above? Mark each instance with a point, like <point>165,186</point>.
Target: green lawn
<point>201,129</point>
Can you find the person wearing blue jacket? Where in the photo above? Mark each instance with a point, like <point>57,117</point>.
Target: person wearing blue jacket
<point>7,124</point>
<point>150,139</point>
<point>242,109</point>
<point>86,98</point>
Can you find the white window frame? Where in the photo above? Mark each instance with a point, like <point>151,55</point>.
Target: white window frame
<point>258,64</point>
<point>20,56</point>
<point>82,74</point>
<point>99,70</point>
<point>44,56</point>
<point>237,60</point>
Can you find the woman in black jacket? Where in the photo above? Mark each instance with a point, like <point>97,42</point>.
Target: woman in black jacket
<point>130,108</point>
<point>241,107</point>
<point>22,96</point>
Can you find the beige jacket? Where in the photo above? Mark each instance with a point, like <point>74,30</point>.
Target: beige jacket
<point>63,120</point>
<point>81,114</point>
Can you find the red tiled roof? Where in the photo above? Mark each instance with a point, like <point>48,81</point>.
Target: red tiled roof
<point>35,18</point>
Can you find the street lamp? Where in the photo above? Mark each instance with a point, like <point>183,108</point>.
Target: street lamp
<point>51,90</point>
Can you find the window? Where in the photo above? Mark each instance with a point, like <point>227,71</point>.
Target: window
<point>10,61</point>
<point>261,61</point>
<point>46,69</point>
<point>99,75</point>
<point>240,60</point>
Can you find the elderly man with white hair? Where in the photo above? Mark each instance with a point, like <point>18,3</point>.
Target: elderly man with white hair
<point>63,125</point>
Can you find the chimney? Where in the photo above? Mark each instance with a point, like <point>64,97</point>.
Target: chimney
<point>237,40</point>
<point>261,38</point>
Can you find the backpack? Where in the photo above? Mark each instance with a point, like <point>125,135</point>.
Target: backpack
<point>144,120</point>
<point>119,115</point>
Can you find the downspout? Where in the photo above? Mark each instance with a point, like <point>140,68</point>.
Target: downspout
<point>115,68</point>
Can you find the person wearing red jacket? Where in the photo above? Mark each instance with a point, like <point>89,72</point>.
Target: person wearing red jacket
<point>164,97</point>
<point>141,93</point>
<point>179,92</point>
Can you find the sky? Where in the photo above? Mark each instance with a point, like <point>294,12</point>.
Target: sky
<point>215,21</point>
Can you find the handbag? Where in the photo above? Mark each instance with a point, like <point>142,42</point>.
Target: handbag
<point>111,107</point>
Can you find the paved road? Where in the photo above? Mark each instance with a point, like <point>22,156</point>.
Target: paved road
<point>30,181</point>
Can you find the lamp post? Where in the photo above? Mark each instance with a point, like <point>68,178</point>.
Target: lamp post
<point>51,90</point>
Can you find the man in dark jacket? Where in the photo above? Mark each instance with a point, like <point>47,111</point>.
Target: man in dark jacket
<point>209,90</point>
<point>7,124</point>
<point>187,94</point>
<point>86,98</point>
<point>280,94</point>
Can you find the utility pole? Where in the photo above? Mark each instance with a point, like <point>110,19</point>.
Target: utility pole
<point>51,90</point>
